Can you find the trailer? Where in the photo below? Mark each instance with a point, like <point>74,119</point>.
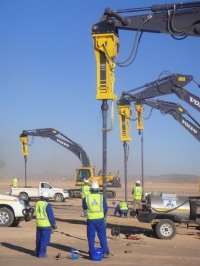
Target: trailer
<point>164,212</point>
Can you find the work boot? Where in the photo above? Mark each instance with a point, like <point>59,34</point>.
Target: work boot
<point>105,255</point>
<point>46,256</point>
<point>90,256</point>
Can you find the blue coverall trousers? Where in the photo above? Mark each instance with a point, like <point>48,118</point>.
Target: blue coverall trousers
<point>93,226</point>
<point>123,213</point>
<point>43,235</point>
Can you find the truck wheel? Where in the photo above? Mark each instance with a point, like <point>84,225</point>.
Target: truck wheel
<point>6,217</point>
<point>153,226</point>
<point>59,197</point>
<point>14,224</point>
<point>71,193</point>
<point>24,196</point>
<point>165,229</point>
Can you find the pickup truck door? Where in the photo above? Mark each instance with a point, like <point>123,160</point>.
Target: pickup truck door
<point>48,187</point>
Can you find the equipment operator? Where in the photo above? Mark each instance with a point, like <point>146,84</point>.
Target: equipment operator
<point>137,193</point>
<point>96,207</point>
<point>15,182</point>
<point>44,222</point>
<point>122,209</point>
<point>85,190</point>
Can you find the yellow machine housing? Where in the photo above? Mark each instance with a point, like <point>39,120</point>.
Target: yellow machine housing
<point>24,142</point>
<point>124,113</point>
<point>105,67</point>
<point>83,173</point>
<point>139,110</point>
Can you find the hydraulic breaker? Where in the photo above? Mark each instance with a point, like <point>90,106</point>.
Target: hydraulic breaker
<point>124,113</point>
<point>139,110</point>
<point>24,142</point>
<point>106,49</point>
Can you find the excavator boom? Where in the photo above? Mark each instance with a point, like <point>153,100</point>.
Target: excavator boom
<point>176,110</point>
<point>171,84</point>
<point>175,19</point>
<point>66,142</point>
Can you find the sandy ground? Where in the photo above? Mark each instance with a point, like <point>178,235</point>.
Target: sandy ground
<point>17,244</point>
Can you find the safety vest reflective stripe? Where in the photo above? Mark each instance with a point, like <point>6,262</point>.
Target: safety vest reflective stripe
<point>85,190</point>
<point>94,206</point>
<point>137,193</point>
<point>123,206</point>
<point>41,214</point>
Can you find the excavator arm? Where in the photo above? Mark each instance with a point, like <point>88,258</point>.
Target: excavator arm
<point>171,84</point>
<point>175,19</point>
<point>176,110</point>
<point>52,134</point>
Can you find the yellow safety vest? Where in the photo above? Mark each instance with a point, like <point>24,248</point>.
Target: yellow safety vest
<point>94,206</point>
<point>42,219</point>
<point>15,182</point>
<point>123,206</point>
<point>85,190</point>
<point>137,193</point>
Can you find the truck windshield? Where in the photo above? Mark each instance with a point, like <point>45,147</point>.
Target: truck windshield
<point>46,185</point>
<point>83,174</point>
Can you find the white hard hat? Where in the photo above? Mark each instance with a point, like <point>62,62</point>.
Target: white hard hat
<point>85,180</point>
<point>45,194</point>
<point>137,182</point>
<point>94,185</point>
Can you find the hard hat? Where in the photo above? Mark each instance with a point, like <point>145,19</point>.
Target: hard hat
<point>94,185</point>
<point>137,182</point>
<point>85,180</point>
<point>45,194</point>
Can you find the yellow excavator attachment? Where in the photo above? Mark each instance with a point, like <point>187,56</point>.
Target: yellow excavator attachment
<point>24,142</point>
<point>106,49</point>
<point>139,110</point>
<point>124,113</point>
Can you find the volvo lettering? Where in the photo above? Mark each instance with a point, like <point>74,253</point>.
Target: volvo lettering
<point>63,143</point>
<point>195,101</point>
<point>189,126</point>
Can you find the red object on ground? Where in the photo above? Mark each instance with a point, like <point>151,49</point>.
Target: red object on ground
<point>132,237</point>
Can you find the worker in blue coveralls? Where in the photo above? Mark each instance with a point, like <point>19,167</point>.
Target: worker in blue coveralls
<point>122,209</point>
<point>44,222</point>
<point>96,207</point>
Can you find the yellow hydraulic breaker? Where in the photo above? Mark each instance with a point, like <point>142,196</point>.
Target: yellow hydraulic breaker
<point>106,49</point>
<point>24,142</point>
<point>124,113</point>
<point>139,110</point>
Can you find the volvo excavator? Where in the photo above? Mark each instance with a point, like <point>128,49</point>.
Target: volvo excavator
<point>83,172</point>
<point>173,83</point>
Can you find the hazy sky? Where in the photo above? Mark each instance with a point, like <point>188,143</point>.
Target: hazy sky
<point>48,79</point>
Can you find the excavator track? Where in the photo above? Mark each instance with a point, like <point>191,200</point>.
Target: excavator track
<point>75,193</point>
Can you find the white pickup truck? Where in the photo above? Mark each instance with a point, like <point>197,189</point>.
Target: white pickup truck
<point>13,210</point>
<point>58,194</point>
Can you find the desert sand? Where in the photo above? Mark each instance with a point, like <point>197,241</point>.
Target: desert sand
<point>17,244</point>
